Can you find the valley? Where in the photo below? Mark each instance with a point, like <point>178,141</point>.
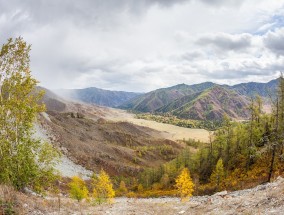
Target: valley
<point>145,107</point>
<point>147,154</point>
<point>168,131</point>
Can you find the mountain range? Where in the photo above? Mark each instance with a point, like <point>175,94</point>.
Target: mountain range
<point>204,101</point>
<point>97,96</point>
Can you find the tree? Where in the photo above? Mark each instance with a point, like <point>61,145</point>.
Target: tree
<point>277,137</point>
<point>122,188</point>
<point>103,188</point>
<point>218,174</point>
<point>78,189</point>
<point>24,160</point>
<point>184,185</point>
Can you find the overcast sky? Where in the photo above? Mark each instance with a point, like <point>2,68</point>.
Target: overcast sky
<point>141,45</point>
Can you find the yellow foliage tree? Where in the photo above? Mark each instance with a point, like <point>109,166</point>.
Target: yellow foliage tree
<point>78,189</point>
<point>103,188</point>
<point>184,185</point>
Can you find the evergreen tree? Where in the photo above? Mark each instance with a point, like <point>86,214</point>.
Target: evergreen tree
<point>218,174</point>
<point>277,136</point>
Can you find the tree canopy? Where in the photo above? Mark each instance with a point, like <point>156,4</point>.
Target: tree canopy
<point>24,160</point>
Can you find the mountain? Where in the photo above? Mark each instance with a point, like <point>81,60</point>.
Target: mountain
<point>254,88</point>
<point>154,100</point>
<point>97,96</point>
<point>199,102</point>
<point>210,104</point>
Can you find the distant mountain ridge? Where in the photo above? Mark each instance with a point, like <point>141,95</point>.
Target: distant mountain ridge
<point>253,88</point>
<point>205,101</point>
<point>98,96</point>
<point>154,100</point>
<point>211,104</point>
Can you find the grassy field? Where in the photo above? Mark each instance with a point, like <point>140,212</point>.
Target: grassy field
<point>168,131</point>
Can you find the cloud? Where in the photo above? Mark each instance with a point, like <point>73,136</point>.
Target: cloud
<point>83,12</point>
<point>227,42</point>
<point>223,2</point>
<point>273,40</point>
<point>141,45</point>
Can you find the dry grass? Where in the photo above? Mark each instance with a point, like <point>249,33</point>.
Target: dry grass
<point>168,131</point>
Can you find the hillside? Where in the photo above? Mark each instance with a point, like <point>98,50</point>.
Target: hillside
<point>121,148</point>
<point>52,101</point>
<point>87,138</point>
<point>210,104</point>
<point>98,96</point>
<point>154,100</point>
<point>196,102</point>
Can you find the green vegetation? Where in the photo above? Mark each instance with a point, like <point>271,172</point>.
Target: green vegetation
<point>239,155</point>
<point>78,189</point>
<point>218,174</point>
<point>186,123</point>
<point>24,160</point>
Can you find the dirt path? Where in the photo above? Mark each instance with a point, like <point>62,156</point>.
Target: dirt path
<point>168,131</point>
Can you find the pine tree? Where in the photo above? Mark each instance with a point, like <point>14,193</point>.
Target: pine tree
<point>24,160</point>
<point>103,188</point>
<point>218,174</point>
<point>184,185</point>
<point>277,137</point>
<point>78,189</point>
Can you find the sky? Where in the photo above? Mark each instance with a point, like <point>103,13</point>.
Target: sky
<point>142,45</point>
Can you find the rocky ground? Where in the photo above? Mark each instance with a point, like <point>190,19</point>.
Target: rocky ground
<point>263,199</point>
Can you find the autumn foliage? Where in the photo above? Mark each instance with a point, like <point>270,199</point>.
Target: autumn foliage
<point>78,188</point>
<point>103,188</point>
<point>184,185</point>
